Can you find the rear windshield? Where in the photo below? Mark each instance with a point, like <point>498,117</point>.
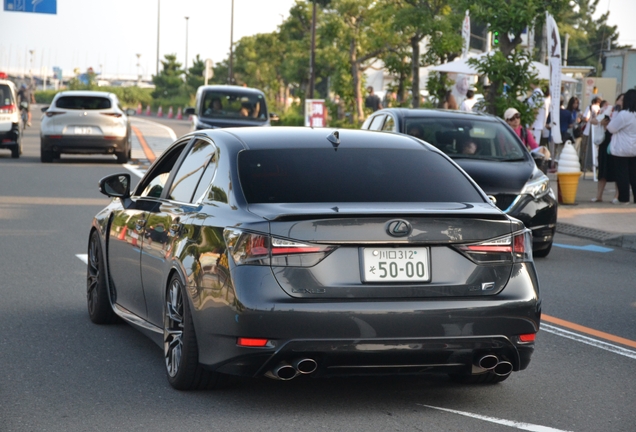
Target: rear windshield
<point>234,105</point>
<point>467,138</point>
<point>351,175</point>
<point>83,102</point>
<point>6,97</point>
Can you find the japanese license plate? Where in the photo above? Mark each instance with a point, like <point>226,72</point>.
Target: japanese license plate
<point>396,264</point>
<point>79,130</point>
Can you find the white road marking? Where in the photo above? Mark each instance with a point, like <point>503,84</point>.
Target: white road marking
<point>589,341</point>
<point>83,257</point>
<point>518,425</point>
<point>133,170</point>
<point>168,129</point>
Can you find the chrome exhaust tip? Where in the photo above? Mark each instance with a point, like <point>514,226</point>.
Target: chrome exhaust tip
<point>503,368</point>
<point>283,371</point>
<point>305,365</point>
<point>488,362</point>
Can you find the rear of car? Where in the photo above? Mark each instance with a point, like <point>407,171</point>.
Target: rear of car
<point>85,122</point>
<point>10,122</point>
<point>223,106</point>
<point>363,254</point>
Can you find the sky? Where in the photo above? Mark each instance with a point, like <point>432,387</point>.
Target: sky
<point>107,35</point>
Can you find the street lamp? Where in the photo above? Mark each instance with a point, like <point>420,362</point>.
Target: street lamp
<point>231,73</point>
<point>186,55</point>
<point>31,65</point>
<point>158,26</point>
<point>138,70</point>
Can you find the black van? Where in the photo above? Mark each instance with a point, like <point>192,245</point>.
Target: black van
<point>221,106</point>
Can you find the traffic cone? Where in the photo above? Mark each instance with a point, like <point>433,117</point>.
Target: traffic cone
<point>147,110</point>
<point>160,112</point>
<point>179,114</point>
<point>139,109</point>
<point>170,113</point>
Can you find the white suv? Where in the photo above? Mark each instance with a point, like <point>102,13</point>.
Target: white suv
<point>10,127</point>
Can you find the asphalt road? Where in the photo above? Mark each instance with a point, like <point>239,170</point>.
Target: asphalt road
<point>60,372</point>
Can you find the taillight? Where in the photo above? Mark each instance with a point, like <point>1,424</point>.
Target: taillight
<point>8,109</point>
<point>116,115</point>
<point>53,113</point>
<point>248,248</point>
<point>527,338</point>
<point>516,247</point>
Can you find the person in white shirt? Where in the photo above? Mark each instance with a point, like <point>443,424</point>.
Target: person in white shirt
<point>469,102</point>
<point>542,104</point>
<point>591,112</point>
<point>622,126</point>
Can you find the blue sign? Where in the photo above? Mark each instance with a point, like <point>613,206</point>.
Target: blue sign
<point>37,6</point>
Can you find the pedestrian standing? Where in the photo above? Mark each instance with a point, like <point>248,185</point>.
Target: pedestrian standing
<point>622,126</point>
<point>590,113</point>
<point>469,102</point>
<point>541,103</point>
<point>372,101</point>
<point>576,131</point>
<point>449,101</point>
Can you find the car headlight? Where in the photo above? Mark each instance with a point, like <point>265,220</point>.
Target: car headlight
<point>537,187</point>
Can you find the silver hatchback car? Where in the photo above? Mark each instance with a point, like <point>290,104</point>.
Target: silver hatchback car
<point>85,122</point>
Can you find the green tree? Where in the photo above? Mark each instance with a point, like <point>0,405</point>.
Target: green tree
<point>194,77</point>
<point>509,65</point>
<point>169,82</point>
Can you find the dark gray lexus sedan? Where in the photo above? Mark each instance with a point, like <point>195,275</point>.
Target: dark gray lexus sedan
<point>297,251</point>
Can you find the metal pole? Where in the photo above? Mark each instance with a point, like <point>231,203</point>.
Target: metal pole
<point>185,67</point>
<point>158,27</point>
<point>231,73</point>
<point>312,57</point>
<point>565,49</point>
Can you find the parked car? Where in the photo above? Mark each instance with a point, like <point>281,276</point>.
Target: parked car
<point>299,251</point>
<point>221,106</point>
<point>500,163</point>
<point>85,122</point>
<point>10,120</point>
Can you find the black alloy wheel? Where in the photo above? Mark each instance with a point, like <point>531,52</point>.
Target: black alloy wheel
<point>181,352</point>
<point>100,310</point>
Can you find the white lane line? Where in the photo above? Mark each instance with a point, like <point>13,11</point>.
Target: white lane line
<point>518,425</point>
<point>168,129</point>
<point>133,170</point>
<point>589,341</point>
<point>83,257</point>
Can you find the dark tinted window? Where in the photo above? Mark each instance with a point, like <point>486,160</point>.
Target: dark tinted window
<point>6,96</point>
<point>153,183</point>
<point>467,138</point>
<point>233,104</point>
<point>351,175</point>
<point>190,171</point>
<point>83,102</point>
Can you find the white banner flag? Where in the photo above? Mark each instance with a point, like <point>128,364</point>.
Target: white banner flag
<point>466,35</point>
<point>554,53</point>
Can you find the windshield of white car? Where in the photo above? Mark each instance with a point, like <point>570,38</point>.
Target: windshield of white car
<point>219,104</point>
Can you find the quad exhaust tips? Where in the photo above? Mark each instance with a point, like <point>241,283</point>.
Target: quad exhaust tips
<point>285,371</point>
<point>492,363</point>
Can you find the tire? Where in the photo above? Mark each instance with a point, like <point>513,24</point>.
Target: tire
<point>15,151</point>
<point>100,309</point>
<point>543,252</point>
<point>484,378</point>
<point>181,351</point>
<point>122,157</point>
<point>46,156</point>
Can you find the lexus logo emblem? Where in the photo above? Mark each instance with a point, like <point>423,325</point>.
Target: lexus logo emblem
<point>398,228</point>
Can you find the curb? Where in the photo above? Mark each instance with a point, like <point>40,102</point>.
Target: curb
<point>625,241</point>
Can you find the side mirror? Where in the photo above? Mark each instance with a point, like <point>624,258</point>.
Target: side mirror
<point>45,108</point>
<point>115,186</point>
<point>130,111</point>
<point>188,111</point>
<point>274,117</point>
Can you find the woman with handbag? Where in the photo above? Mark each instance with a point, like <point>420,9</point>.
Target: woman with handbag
<point>622,146</point>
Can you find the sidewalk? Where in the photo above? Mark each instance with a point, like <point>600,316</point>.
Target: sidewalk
<point>603,222</point>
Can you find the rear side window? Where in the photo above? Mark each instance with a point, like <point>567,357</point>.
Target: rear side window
<point>187,178</point>
<point>83,103</point>
<point>351,175</point>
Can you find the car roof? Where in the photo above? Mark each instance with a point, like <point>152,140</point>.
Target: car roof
<point>306,137</point>
<point>7,82</point>
<point>233,88</point>
<point>86,93</point>
<point>437,113</point>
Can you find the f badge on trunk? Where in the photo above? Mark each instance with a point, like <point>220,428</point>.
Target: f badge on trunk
<point>398,228</point>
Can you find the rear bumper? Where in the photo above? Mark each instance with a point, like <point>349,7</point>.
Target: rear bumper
<point>83,145</point>
<point>366,337</point>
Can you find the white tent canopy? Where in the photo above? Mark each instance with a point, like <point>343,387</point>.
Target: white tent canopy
<point>461,66</point>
